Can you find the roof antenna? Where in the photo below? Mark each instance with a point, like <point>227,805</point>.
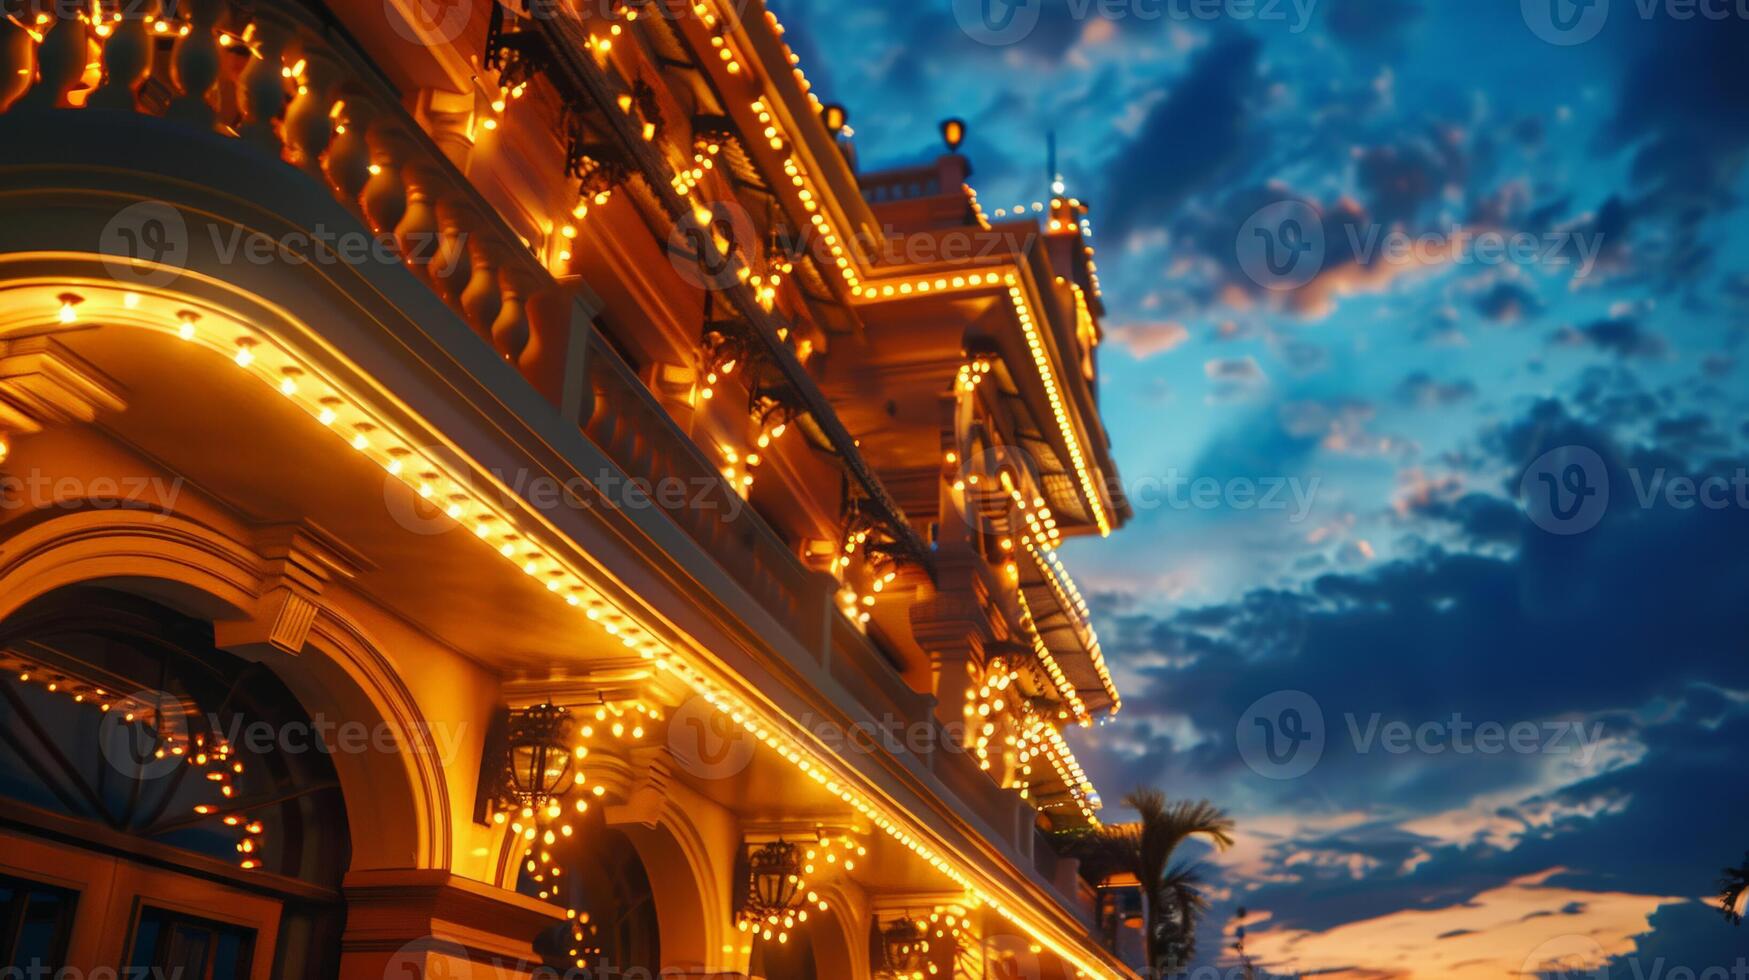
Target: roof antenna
<point>1054,175</point>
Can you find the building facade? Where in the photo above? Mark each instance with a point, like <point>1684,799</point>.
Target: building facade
<point>492,491</point>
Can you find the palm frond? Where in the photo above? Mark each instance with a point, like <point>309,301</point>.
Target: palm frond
<point>1732,884</point>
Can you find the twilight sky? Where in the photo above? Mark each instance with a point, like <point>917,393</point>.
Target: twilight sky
<point>1519,744</point>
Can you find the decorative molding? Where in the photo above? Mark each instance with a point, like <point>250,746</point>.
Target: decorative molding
<point>301,559</point>
<point>43,383</point>
<point>386,910</point>
<point>648,792</point>
<point>616,679</point>
<point>892,903</point>
<point>798,831</point>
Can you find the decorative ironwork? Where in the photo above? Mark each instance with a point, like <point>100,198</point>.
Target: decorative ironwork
<point>774,880</point>
<point>537,756</point>
<point>515,52</point>
<point>649,109</point>
<point>835,117</point>
<point>904,949</point>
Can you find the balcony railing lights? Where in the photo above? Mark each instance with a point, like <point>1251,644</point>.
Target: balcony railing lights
<point>341,411</point>
<point>1041,361</point>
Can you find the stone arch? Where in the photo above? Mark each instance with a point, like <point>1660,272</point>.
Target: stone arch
<point>694,919</point>
<point>203,572</point>
<point>688,857</point>
<point>841,935</point>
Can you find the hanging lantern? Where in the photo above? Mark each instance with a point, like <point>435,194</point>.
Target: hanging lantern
<point>953,133</point>
<point>904,947</point>
<point>538,756</point>
<point>775,877</point>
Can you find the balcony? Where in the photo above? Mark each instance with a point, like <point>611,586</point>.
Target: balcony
<point>287,82</point>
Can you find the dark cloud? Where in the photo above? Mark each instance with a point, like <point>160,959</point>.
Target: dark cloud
<point>1685,938</point>
<point>1514,637</point>
<point>1483,518</point>
<point>1620,336</point>
<point>1508,301</point>
<point>1401,180</point>
<point>1370,23</point>
<point>1679,108</point>
<point>1201,126</point>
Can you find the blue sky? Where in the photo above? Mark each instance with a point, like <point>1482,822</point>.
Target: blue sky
<point>1400,403</point>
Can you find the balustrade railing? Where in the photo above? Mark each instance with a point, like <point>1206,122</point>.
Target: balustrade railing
<point>634,430</point>
<point>284,78</point>
<point>281,77</point>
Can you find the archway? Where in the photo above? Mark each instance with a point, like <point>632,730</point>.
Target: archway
<point>166,791</point>
<point>825,947</point>
<point>617,930</point>
<point>205,574</point>
<point>792,960</point>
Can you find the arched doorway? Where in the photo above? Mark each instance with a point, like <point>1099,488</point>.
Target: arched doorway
<point>617,931</point>
<point>164,805</point>
<point>793,960</point>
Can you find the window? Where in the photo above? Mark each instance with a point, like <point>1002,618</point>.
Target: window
<point>179,790</point>
<point>616,928</point>
<point>176,945</point>
<point>35,922</point>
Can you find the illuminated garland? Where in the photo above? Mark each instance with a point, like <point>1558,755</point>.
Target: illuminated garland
<point>541,830</point>
<point>332,407</point>
<point>1035,734</point>
<point>1052,669</point>
<point>213,756</point>
<point>1069,598</point>
<point>770,924</point>
<point>1040,356</point>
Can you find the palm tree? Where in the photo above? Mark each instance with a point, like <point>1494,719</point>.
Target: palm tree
<point>1733,883</point>
<point>1145,849</point>
<point>1185,907</point>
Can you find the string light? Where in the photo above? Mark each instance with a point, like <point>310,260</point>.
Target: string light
<point>329,406</point>
<point>166,730</point>
<point>1035,345</point>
